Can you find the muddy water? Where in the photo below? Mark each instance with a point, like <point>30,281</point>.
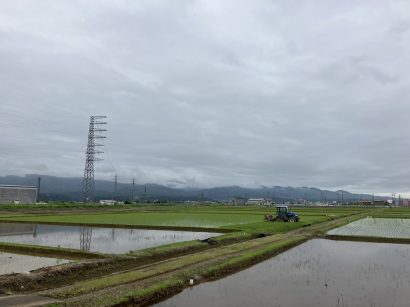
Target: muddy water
<point>316,273</point>
<point>13,263</point>
<point>95,239</point>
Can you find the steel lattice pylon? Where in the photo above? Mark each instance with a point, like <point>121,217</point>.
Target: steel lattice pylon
<point>94,132</point>
<point>85,238</point>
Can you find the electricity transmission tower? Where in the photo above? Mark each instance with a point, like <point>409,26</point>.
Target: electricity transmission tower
<point>85,238</point>
<point>95,132</point>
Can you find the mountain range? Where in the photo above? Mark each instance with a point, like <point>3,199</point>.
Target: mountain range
<point>69,189</point>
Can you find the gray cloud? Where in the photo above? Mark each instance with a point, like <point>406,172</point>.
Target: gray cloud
<point>207,93</point>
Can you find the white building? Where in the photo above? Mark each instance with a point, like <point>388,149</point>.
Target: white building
<point>259,201</point>
<point>110,202</point>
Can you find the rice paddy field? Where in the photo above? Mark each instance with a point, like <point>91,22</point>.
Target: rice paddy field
<point>376,227</point>
<point>14,263</point>
<point>392,213</point>
<point>241,218</point>
<point>213,241</point>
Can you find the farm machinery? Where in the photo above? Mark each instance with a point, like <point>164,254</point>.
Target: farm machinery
<point>283,214</point>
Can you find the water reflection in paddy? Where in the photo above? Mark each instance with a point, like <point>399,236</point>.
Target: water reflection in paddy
<point>316,273</point>
<point>13,263</point>
<point>96,239</point>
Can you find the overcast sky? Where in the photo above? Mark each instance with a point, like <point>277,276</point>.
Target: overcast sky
<point>210,93</point>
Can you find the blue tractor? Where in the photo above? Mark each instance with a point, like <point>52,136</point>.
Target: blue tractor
<point>283,214</point>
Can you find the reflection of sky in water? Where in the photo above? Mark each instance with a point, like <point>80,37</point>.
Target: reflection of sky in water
<point>316,273</point>
<point>106,240</point>
<point>13,263</point>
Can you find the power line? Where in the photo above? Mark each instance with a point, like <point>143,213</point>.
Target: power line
<point>109,158</point>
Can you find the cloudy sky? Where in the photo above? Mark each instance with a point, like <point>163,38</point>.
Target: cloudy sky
<point>209,93</point>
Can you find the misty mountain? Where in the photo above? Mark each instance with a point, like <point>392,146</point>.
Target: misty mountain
<point>69,189</point>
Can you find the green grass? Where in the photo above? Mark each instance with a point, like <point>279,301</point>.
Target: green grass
<point>208,217</point>
<point>403,213</point>
<point>184,219</point>
<point>91,285</point>
<point>163,289</point>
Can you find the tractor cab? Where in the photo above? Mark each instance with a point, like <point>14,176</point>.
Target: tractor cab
<point>283,214</point>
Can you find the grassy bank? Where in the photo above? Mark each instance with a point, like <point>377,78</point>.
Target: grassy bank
<point>47,251</point>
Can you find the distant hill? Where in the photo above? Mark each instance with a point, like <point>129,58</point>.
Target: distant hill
<point>69,189</point>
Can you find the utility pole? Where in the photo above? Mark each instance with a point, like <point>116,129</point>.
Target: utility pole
<point>94,132</point>
<point>115,186</point>
<point>133,189</point>
<point>38,188</point>
<point>145,193</point>
<point>342,198</point>
<point>372,198</point>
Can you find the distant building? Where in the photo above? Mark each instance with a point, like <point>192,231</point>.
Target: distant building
<point>238,200</point>
<point>405,202</point>
<point>259,201</point>
<point>380,202</point>
<point>110,202</point>
<point>374,203</point>
<point>18,194</point>
<point>365,202</point>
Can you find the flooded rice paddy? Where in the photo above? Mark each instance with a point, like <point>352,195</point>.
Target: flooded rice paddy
<point>14,263</point>
<point>316,273</point>
<point>94,239</point>
<point>375,227</point>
